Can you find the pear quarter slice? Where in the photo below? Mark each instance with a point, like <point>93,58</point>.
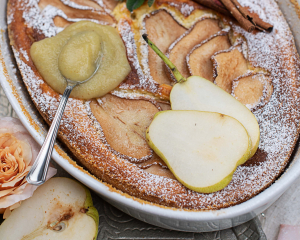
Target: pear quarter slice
<point>197,93</point>
<point>60,209</point>
<point>202,149</point>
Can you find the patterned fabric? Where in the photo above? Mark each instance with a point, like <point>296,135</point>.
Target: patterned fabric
<point>5,108</point>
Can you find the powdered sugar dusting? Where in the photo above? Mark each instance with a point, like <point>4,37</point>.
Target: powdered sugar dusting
<point>101,4</point>
<point>185,8</point>
<point>75,5</point>
<point>24,53</point>
<point>10,18</point>
<point>263,52</point>
<point>266,92</point>
<point>42,20</point>
<point>144,50</point>
<point>128,38</point>
<point>145,81</point>
<point>278,119</point>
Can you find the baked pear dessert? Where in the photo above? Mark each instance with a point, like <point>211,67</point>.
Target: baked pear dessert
<point>107,135</point>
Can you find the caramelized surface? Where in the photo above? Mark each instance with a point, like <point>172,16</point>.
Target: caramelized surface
<point>253,90</point>
<point>228,66</point>
<point>157,170</point>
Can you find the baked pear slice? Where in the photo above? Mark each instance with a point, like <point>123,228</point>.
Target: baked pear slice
<point>161,23</point>
<point>199,59</point>
<point>60,209</point>
<point>229,65</point>
<point>202,149</point>
<point>183,45</point>
<point>124,123</point>
<point>253,90</point>
<point>197,93</point>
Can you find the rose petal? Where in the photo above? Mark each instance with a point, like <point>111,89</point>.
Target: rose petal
<point>11,125</point>
<point>17,179</point>
<point>18,151</point>
<point>9,169</point>
<point>35,148</point>
<point>22,192</point>
<point>19,189</point>
<point>5,192</point>
<point>289,232</point>
<point>26,152</point>
<point>6,140</point>
<point>14,125</point>
<point>11,161</point>
<point>7,175</point>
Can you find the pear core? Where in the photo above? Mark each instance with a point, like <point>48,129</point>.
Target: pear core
<point>74,52</point>
<point>60,209</point>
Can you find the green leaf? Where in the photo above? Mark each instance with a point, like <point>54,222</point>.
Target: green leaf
<point>134,4</point>
<point>150,2</point>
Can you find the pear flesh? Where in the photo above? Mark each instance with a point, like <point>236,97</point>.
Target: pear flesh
<point>60,209</point>
<point>202,149</point>
<point>197,93</point>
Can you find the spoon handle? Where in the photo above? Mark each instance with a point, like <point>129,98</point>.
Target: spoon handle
<point>38,172</point>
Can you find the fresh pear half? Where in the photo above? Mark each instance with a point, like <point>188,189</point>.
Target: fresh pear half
<point>60,209</point>
<point>202,149</point>
<point>197,93</point>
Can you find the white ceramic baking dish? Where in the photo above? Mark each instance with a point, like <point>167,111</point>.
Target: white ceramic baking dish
<point>192,221</point>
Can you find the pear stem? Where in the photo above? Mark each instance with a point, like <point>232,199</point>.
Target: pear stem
<point>179,78</point>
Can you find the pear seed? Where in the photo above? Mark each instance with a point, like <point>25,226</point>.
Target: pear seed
<point>60,227</point>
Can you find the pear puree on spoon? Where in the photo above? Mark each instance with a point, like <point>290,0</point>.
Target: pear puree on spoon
<point>77,59</point>
<point>74,52</point>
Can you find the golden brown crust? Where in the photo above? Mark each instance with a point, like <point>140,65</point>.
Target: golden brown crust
<point>80,131</point>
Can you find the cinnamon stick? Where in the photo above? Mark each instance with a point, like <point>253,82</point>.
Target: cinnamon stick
<point>257,21</point>
<point>214,5</point>
<point>246,19</point>
<point>245,23</point>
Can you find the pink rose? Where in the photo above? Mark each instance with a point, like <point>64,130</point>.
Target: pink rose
<point>18,150</point>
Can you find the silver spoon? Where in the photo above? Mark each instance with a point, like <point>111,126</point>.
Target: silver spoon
<point>38,172</point>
